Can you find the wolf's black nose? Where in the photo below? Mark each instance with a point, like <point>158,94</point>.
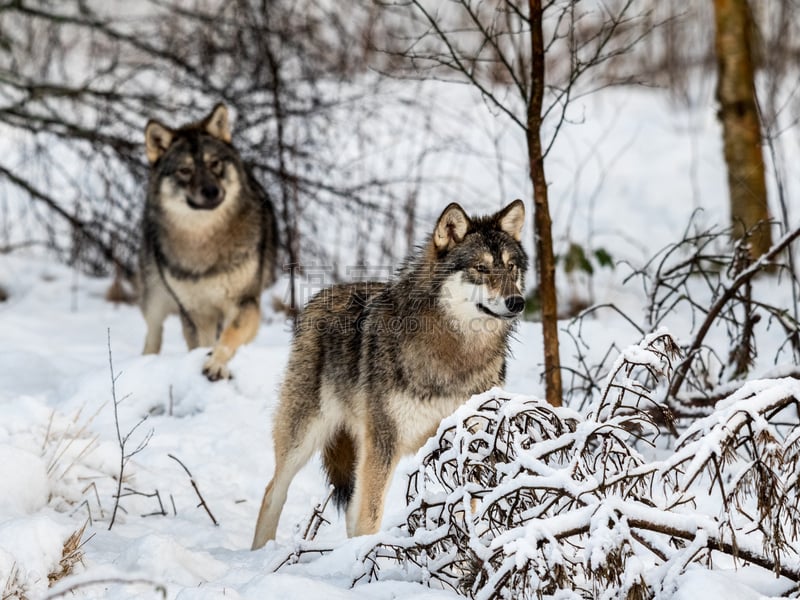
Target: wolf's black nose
<point>515,304</point>
<point>210,192</point>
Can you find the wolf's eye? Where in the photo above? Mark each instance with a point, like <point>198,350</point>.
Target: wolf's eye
<point>511,266</point>
<point>184,172</point>
<point>482,269</point>
<point>215,166</point>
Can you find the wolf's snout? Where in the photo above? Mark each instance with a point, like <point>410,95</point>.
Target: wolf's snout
<point>515,304</point>
<point>208,197</point>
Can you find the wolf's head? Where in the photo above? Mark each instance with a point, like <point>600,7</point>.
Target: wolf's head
<point>194,167</point>
<point>482,263</point>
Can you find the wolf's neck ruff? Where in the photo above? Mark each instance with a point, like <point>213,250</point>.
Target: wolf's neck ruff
<point>169,268</point>
<point>215,265</point>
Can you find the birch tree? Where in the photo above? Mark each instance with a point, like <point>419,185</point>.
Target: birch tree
<point>741,129</point>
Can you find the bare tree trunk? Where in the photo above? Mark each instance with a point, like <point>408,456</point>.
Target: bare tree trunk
<point>542,236</point>
<point>741,129</point>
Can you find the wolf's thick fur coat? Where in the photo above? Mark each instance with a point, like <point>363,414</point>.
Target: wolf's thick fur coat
<point>375,366</point>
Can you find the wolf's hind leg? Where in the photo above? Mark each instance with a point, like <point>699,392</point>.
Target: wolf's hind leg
<point>238,329</point>
<point>376,463</point>
<point>292,451</point>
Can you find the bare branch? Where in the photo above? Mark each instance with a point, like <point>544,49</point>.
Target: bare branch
<point>196,489</point>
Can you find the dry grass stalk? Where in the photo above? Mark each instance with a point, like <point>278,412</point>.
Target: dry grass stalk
<point>71,555</point>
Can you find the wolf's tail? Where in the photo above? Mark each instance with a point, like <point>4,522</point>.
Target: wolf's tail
<point>339,460</point>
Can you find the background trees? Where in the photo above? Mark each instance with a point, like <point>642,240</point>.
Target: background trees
<point>329,113</point>
<point>501,48</point>
<point>78,80</point>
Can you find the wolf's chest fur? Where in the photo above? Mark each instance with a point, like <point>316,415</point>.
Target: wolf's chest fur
<point>415,347</point>
<point>212,243</point>
<point>447,363</point>
<point>407,366</point>
<point>215,289</point>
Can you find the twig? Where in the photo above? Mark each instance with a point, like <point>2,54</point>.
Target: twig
<point>316,519</point>
<point>88,511</point>
<point>196,489</point>
<point>122,440</point>
<point>93,485</point>
<point>161,512</point>
<point>714,310</point>
<point>160,588</point>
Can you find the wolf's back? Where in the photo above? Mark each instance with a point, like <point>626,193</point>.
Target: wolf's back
<point>335,315</point>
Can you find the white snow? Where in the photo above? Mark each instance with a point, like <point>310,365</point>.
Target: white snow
<point>24,477</point>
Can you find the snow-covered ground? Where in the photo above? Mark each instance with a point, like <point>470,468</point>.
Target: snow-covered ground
<point>59,455</point>
<point>643,170</point>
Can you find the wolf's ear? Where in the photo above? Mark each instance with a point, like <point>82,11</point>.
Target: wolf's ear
<point>451,227</point>
<point>157,138</point>
<point>511,219</point>
<point>217,123</point>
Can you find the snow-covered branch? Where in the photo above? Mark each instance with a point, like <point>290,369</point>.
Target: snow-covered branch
<point>514,497</point>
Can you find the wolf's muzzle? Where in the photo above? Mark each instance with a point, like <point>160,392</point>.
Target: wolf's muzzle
<point>209,198</point>
<point>508,308</point>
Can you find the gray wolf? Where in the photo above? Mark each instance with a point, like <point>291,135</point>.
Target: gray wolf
<point>209,240</point>
<point>375,366</point>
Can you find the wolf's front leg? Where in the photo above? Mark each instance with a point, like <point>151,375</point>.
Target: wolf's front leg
<point>238,329</point>
<point>152,342</point>
<point>156,305</point>
<point>189,331</point>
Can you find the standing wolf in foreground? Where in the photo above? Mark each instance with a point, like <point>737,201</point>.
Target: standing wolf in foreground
<point>375,367</point>
<point>209,240</point>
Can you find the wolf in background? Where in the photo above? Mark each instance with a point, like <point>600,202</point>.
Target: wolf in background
<point>209,240</point>
<point>375,367</point>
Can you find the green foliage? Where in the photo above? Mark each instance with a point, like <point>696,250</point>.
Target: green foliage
<point>576,259</point>
<point>603,258</point>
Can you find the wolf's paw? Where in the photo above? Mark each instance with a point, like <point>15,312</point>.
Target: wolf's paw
<point>216,370</point>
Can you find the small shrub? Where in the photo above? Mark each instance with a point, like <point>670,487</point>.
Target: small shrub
<point>516,498</point>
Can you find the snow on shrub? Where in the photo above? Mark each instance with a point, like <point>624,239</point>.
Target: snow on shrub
<point>514,498</point>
